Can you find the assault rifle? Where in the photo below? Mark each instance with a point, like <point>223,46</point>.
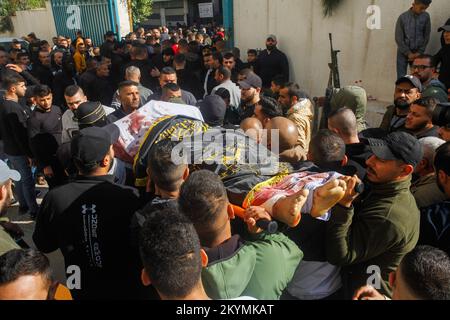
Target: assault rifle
<point>334,82</point>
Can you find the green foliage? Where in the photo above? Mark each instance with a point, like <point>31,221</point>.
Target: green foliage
<point>329,6</point>
<point>8,8</point>
<point>141,10</point>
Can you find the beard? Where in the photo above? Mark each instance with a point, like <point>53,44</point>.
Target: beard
<point>419,127</point>
<point>270,47</point>
<point>401,104</point>
<point>249,98</point>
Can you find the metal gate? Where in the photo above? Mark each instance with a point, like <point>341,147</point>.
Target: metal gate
<point>93,17</point>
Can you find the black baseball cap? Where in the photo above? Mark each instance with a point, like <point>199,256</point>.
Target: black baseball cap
<point>91,145</point>
<point>398,146</point>
<point>252,81</point>
<point>90,114</point>
<point>213,109</point>
<point>411,79</point>
<point>109,34</point>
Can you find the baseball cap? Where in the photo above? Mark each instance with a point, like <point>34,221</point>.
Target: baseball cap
<point>6,173</point>
<point>272,36</point>
<point>411,79</point>
<point>252,81</point>
<point>109,34</point>
<point>91,145</point>
<point>89,114</point>
<point>213,110</point>
<point>445,27</point>
<point>398,146</point>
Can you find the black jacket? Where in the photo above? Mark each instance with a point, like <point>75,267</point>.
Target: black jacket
<point>101,90</point>
<point>89,220</point>
<point>435,226</point>
<point>60,82</point>
<point>43,74</point>
<point>270,65</point>
<point>107,48</point>
<point>189,82</point>
<point>443,57</point>
<point>44,132</point>
<point>145,66</point>
<point>13,128</point>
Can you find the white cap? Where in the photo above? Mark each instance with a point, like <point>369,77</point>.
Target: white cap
<point>6,173</point>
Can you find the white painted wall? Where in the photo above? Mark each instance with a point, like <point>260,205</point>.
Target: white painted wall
<point>367,55</point>
<point>39,21</point>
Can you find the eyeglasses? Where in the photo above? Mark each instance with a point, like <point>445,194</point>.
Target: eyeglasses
<point>419,67</point>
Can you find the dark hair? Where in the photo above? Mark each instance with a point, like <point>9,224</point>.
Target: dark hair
<point>429,103</point>
<point>252,51</point>
<point>41,90</point>
<point>218,57</point>
<point>170,252</point>
<point>202,199</point>
<point>23,262</point>
<point>163,172</point>
<point>295,91</point>
<point>270,107</point>
<point>429,57</point>
<point>327,149</point>
<point>10,79</point>
<point>223,93</point>
<point>171,87</point>
<point>72,90</point>
<point>179,59</point>
<point>139,49</point>
<point>183,43</point>
<point>442,158</point>
<point>426,271</point>
<point>22,54</point>
<point>236,52</point>
<point>424,2</point>
<point>168,52</point>
<point>127,83</point>
<point>168,70</point>
<point>229,55</point>
<point>279,80</point>
<point>225,72</point>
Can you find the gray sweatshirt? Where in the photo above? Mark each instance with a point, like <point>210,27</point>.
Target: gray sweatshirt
<point>412,32</point>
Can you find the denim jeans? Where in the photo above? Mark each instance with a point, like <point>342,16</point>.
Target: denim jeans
<point>25,188</point>
<point>402,65</point>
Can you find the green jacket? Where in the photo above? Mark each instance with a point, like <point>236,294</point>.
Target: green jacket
<point>384,230</point>
<point>6,242</point>
<point>352,97</point>
<point>261,269</point>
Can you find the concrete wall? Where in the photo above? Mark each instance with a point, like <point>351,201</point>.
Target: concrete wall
<point>367,55</point>
<point>39,21</point>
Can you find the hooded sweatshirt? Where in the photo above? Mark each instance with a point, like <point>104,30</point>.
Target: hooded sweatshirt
<point>443,57</point>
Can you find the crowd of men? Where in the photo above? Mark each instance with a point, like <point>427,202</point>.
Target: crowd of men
<point>180,238</point>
